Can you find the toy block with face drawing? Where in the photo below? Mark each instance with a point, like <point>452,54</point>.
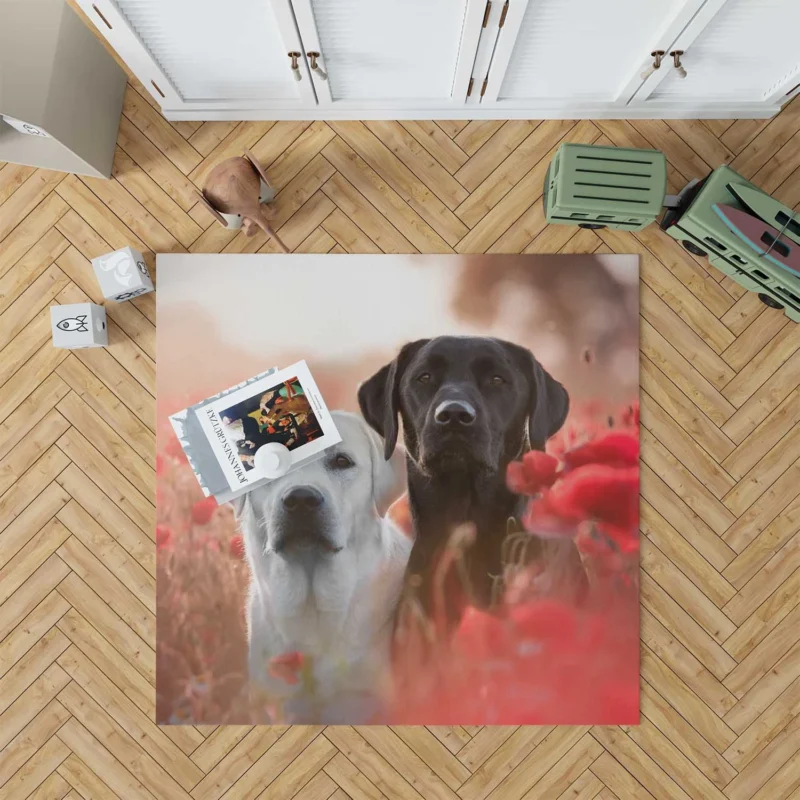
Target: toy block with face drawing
<point>78,325</point>
<point>122,275</point>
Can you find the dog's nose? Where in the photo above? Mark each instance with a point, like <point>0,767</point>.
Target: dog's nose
<point>455,412</point>
<point>302,498</point>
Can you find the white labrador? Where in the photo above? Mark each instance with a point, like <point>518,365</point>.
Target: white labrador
<point>326,573</point>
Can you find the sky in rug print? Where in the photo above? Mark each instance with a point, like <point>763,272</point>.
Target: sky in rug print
<point>358,303</point>
<point>388,297</point>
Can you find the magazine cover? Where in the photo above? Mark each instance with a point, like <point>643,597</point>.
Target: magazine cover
<point>284,408</point>
<point>198,448</point>
<point>466,554</point>
<point>221,435</point>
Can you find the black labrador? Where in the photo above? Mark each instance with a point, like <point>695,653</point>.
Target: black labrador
<point>469,406</point>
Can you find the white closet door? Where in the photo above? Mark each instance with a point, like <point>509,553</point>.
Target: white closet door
<point>390,53</point>
<point>231,54</point>
<point>578,52</point>
<point>748,52</point>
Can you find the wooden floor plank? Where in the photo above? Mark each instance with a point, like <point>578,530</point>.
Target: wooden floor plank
<point>42,726</point>
<point>681,554</point>
<point>32,192</point>
<point>513,169</point>
<point>419,161</point>
<point>402,180</point>
<point>30,267</point>
<point>107,475</point>
<point>85,783</point>
<point>658,713</point>
<point>437,143</point>
<point>152,197</point>
<point>147,156</point>
<point>209,135</point>
<point>476,133</point>
<point>28,232</point>
<point>108,515</point>
<point>159,131</point>
<point>12,176</point>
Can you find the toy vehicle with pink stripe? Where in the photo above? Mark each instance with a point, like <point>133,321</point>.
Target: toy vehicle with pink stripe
<point>744,233</point>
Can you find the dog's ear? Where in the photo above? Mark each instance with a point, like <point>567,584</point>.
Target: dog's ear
<point>389,479</point>
<point>379,397</point>
<point>548,400</point>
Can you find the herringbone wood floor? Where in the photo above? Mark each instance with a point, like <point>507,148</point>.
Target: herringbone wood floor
<point>720,472</point>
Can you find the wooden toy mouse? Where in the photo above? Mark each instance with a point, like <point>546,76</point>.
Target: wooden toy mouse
<point>234,193</point>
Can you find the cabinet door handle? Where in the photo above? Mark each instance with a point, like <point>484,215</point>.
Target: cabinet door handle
<point>676,56</point>
<point>313,56</point>
<point>100,14</point>
<point>657,55</point>
<point>294,55</point>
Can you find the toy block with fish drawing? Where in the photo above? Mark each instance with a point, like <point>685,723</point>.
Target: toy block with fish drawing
<point>122,275</point>
<point>78,325</point>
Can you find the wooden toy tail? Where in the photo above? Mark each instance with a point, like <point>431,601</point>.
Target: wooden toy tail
<point>267,228</point>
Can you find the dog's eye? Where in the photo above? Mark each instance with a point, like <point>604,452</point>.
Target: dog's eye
<point>424,378</point>
<point>498,380</point>
<point>342,461</point>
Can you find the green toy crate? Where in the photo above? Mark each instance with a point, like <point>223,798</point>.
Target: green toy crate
<point>696,225</point>
<point>605,187</point>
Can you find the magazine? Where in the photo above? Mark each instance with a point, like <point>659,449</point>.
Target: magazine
<point>223,434</point>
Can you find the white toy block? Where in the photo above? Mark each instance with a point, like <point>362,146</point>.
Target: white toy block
<point>25,127</point>
<point>78,325</point>
<point>122,275</point>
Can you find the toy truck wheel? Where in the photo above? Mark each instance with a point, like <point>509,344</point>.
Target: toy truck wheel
<point>769,301</point>
<point>592,226</point>
<point>694,249</point>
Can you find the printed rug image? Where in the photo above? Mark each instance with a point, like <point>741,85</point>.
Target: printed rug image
<point>464,552</point>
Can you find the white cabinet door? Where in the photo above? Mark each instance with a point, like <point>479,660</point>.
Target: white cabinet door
<point>208,54</point>
<point>578,54</point>
<point>735,51</point>
<point>389,54</point>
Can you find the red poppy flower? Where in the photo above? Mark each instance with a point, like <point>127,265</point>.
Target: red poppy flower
<point>592,543</point>
<point>286,667</point>
<point>599,492</point>
<point>203,510</point>
<point>616,449</point>
<point>544,519</point>
<point>535,472</point>
<point>626,539</point>
<point>480,635</point>
<point>163,537</point>
<point>544,619</point>
<point>236,546</point>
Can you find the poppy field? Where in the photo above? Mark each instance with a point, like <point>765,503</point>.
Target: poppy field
<point>544,653</point>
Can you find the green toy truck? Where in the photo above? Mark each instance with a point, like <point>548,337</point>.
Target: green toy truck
<point>702,232</point>
<point>610,187</point>
<point>605,187</point>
